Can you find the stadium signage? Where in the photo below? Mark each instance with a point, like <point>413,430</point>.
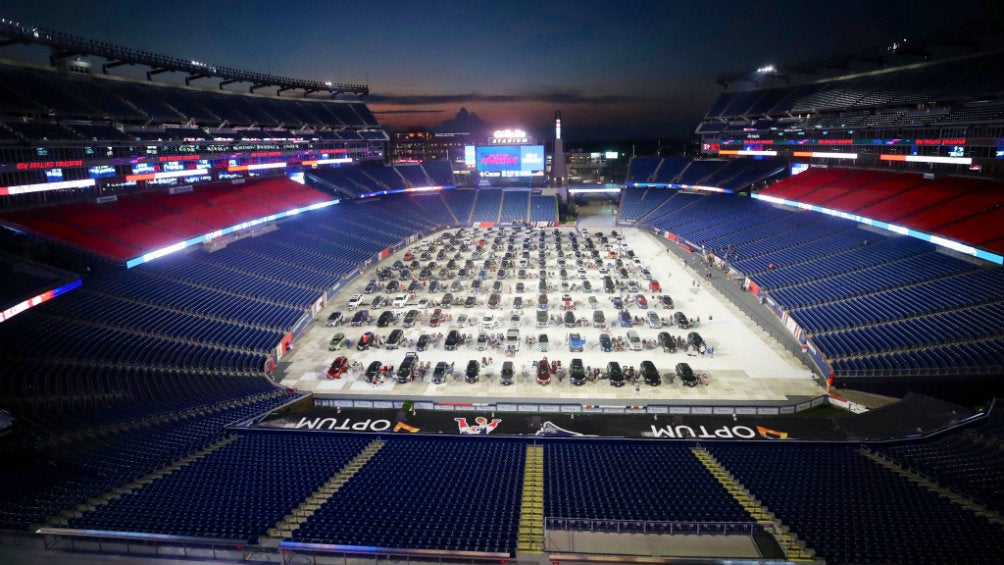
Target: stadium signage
<point>346,424</point>
<point>702,432</point>
<point>31,166</point>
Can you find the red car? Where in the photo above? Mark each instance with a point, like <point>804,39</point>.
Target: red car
<point>543,372</point>
<point>654,286</point>
<point>409,256</point>
<point>338,366</point>
<point>436,318</point>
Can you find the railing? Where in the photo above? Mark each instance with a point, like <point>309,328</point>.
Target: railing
<point>651,527</point>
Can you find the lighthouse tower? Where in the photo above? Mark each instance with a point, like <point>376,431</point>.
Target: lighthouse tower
<point>559,172</point>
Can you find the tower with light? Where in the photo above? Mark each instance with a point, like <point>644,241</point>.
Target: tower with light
<point>559,171</point>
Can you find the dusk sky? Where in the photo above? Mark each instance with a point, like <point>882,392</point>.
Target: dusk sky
<point>616,69</point>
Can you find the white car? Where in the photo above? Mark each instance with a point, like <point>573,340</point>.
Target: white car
<point>355,301</point>
<point>634,342</point>
<point>400,301</point>
<point>488,322</point>
<point>423,303</point>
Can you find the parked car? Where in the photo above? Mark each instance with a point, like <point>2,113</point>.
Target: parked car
<point>400,301</point>
<point>365,341</point>
<point>666,301</point>
<point>337,342</point>
<point>625,319</point>
<point>473,368</point>
<point>494,300</point>
<point>681,320</point>
<point>654,321</point>
<point>667,342</point>
<point>543,372</point>
<point>439,373</point>
<point>570,321</point>
<point>576,372</point>
<point>650,374</point>
<point>576,342</point>
<point>634,342</point>
<point>385,319</point>
<point>423,342</point>
<point>686,374</point>
<point>378,301</point>
<point>355,301</point>
<point>641,301</point>
<point>334,319</point>
<point>615,374</point>
<point>373,370</point>
<point>606,344</point>
<point>361,317</point>
<point>338,367</point>
<point>406,370</point>
<point>410,317</point>
<point>599,319</point>
<point>695,340</point>
<point>508,374</point>
<point>452,340</point>
<point>543,343</point>
<point>393,340</point>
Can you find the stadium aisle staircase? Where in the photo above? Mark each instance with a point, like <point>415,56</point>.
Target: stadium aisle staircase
<point>62,519</point>
<point>285,527</point>
<point>971,505</point>
<point>531,514</point>
<point>456,221</point>
<point>793,547</point>
<point>474,206</point>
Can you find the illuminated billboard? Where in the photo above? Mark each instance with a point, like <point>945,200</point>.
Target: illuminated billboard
<point>510,161</point>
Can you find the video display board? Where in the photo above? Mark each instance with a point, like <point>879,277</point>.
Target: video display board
<point>510,161</point>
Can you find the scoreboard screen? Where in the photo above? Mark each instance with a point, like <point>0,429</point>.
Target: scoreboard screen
<point>510,161</point>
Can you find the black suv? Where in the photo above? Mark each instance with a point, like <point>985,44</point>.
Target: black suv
<point>667,342</point>
<point>695,340</point>
<point>577,373</point>
<point>373,370</point>
<point>681,320</point>
<point>605,343</point>
<point>650,374</point>
<point>508,373</point>
<point>452,340</point>
<point>471,375</point>
<point>385,319</point>
<point>407,367</point>
<point>615,373</point>
<point>439,373</point>
<point>686,374</point>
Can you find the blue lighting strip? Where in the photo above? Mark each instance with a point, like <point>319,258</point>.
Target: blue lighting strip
<point>400,190</point>
<point>937,240</point>
<point>219,233</point>
<point>683,186</point>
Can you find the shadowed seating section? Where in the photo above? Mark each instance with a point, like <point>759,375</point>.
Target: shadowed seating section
<point>41,480</point>
<point>850,509</point>
<point>543,208</point>
<point>729,174</point>
<point>642,482</point>
<point>457,494</point>
<point>368,179</point>
<point>43,92</point>
<point>236,492</point>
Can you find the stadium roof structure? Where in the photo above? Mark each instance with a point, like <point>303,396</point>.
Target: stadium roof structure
<point>64,46</point>
<point>972,38</point>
